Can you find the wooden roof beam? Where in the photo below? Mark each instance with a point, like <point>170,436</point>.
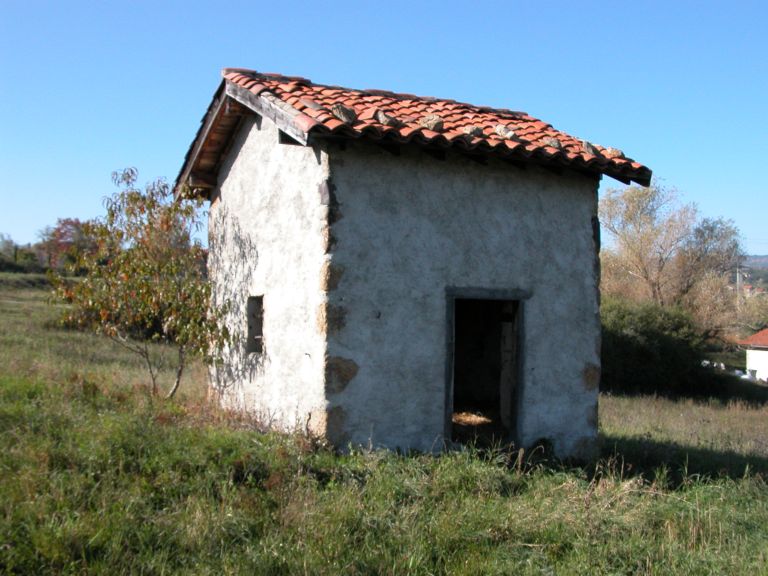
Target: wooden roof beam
<point>216,110</point>
<point>268,105</point>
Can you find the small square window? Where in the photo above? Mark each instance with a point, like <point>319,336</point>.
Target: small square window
<point>255,311</point>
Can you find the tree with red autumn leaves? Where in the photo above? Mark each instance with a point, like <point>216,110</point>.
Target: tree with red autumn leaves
<point>61,245</point>
<point>143,275</point>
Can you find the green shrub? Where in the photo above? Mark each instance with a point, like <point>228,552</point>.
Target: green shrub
<point>649,349</point>
<point>26,261</point>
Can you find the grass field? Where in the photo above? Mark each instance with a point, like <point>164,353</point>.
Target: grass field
<point>95,478</point>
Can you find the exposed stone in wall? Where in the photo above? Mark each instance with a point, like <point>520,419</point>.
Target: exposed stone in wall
<point>330,276</point>
<point>337,318</point>
<point>591,376</point>
<point>330,318</point>
<point>335,428</point>
<point>327,239</point>
<point>332,214</point>
<point>338,373</point>
<point>592,418</point>
<point>328,198</point>
<point>322,318</point>
<point>317,422</point>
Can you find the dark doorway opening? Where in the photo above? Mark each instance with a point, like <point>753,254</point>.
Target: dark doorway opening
<point>485,370</point>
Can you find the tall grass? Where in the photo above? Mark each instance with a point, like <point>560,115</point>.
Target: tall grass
<point>32,344</point>
<point>95,479</point>
<point>723,426</point>
<point>709,436</point>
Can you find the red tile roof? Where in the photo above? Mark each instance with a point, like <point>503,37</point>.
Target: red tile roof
<point>759,340</point>
<point>313,110</point>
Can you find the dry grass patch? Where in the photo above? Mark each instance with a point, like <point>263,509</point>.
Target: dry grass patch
<point>733,426</point>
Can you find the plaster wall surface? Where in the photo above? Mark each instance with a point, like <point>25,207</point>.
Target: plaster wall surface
<point>758,360</point>
<point>266,227</point>
<point>410,227</point>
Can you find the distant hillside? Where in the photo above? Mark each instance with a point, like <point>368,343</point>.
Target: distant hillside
<point>755,261</point>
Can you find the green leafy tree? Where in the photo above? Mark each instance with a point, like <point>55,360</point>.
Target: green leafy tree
<point>754,314</point>
<point>7,246</point>
<point>144,276</point>
<point>16,258</point>
<point>648,348</point>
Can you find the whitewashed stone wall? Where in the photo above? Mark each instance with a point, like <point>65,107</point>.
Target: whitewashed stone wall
<point>265,231</point>
<point>353,250</point>
<point>409,226</point>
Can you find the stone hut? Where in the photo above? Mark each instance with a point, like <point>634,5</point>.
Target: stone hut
<point>402,270</point>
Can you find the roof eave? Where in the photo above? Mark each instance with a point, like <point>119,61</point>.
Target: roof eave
<point>624,174</point>
<point>186,174</point>
<point>642,177</point>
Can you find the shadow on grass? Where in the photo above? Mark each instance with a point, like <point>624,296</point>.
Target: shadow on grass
<point>720,387</point>
<point>645,457</point>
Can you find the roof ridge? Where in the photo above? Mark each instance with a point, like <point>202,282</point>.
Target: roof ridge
<point>254,74</point>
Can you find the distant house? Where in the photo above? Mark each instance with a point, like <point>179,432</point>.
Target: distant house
<point>393,262</point>
<point>757,354</point>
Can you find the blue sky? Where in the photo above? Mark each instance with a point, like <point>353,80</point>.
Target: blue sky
<point>90,87</point>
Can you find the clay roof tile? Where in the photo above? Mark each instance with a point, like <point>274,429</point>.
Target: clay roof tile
<point>434,121</point>
<point>758,340</point>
